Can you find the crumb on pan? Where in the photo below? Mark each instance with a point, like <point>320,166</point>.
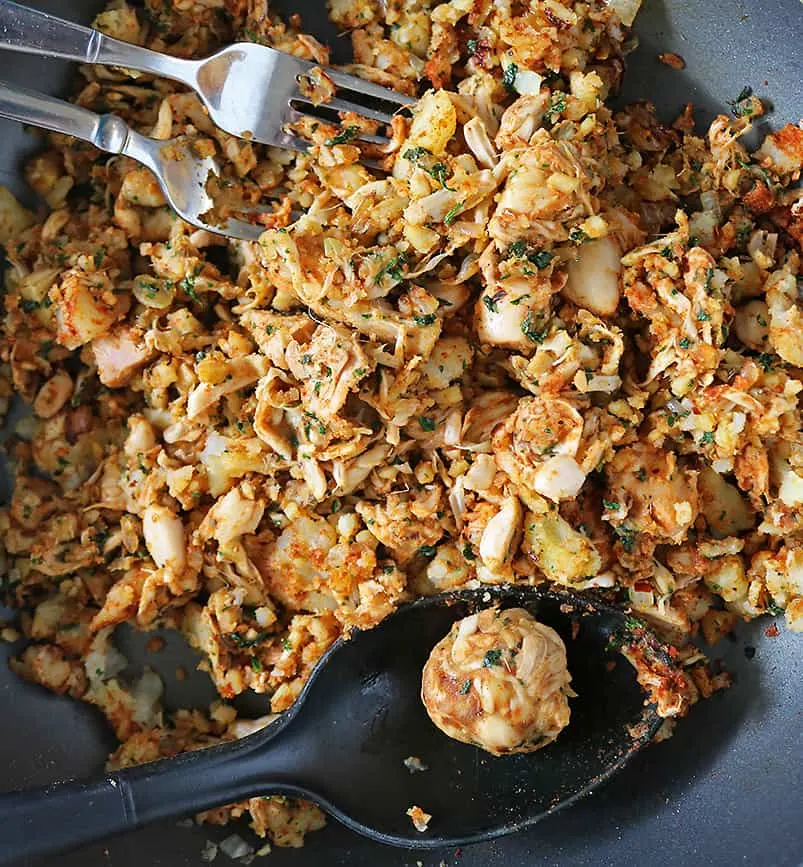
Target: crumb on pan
<point>419,818</point>
<point>669,58</point>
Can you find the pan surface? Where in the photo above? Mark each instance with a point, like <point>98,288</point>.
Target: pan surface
<point>726,788</point>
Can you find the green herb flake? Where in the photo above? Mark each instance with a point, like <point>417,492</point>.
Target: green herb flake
<point>702,316</point>
<point>737,105</point>
<point>530,331</point>
<point>413,155</point>
<point>509,77</point>
<point>492,657</point>
<point>707,438</point>
<point>392,268</point>
<point>286,644</point>
<point>428,551</point>
<point>256,665</point>
<point>344,136</point>
<point>465,688</point>
<point>556,105</point>
<point>468,553</point>
<point>188,285</point>
<point>452,213</point>
<point>426,319</point>
<point>241,641</point>
<point>766,362</point>
<point>627,536</point>
<point>684,343</point>
<point>426,423</point>
<point>491,303</point>
<point>440,172</point>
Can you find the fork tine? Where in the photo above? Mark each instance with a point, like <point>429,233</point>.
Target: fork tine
<point>238,229</point>
<point>360,87</point>
<point>341,105</point>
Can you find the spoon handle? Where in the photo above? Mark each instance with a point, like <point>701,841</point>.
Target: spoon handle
<point>73,813</point>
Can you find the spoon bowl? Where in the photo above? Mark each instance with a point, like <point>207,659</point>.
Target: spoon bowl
<point>344,742</point>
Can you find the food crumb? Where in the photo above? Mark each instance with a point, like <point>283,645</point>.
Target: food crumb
<point>414,765</point>
<point>419,818</point>
<point>772,631</point>
<point>155,644</point>
<point>669,58</point>
<point>9,634</point>
<point>209,852</point>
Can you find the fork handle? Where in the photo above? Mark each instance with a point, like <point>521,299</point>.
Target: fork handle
<point>105,131</point>
<point>33,32</point>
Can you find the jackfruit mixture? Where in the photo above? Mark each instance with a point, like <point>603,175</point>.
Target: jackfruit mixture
<point>550,342</point>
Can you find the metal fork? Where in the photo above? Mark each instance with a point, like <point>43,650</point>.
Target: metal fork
<point>181,173</point>
<point>250,90</point>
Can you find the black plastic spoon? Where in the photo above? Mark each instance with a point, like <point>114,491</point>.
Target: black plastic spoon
<point>344,742</point>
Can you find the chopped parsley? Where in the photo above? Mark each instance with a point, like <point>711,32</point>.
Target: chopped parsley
<point>509,77</point>
<point>492,657</point>
<point>766,361</point>
<point>344,136</point>
<point>556,105</point>
<point>28,306</point>
<point>684,343</point>
<point>426,423</point>
<point>256,665</point>
<point>241,641</point>
<point>413,155</point>
<point>286,645</point>
<point>468,553</point>
<point>428,551</point>
<point>611,505</point>
<point>641,475</point>
<point>490,302</point>
<point>738,108</point>
<point>627,536</point>
<point>452,213</point>
<point>465,688</point>
<point>471,47</point>
<point>530,331</point>
<point>426,319</point>
<point>522,250</point>
<point>578,236</point>
<point>702,316</point>
<point>707,437</point>
<point>392,269</point>
<point>440,172</point>
<point>188,285</point>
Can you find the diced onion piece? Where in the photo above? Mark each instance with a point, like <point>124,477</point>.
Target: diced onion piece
<point>559,478</point>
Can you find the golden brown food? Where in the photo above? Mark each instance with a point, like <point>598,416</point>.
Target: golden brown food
<point>499,680</point>
<point>550,342</point>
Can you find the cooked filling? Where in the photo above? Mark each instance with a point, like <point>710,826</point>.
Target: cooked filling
<point>552,342</point>
<point>499,680</point>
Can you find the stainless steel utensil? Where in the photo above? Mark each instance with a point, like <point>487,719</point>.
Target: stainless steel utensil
<point>250,90</point>
<point>181,173</point>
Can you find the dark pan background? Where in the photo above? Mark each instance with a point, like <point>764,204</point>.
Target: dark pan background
<point>726,790</point>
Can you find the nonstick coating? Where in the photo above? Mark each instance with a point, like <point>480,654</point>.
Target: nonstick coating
<point>726,789</point>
